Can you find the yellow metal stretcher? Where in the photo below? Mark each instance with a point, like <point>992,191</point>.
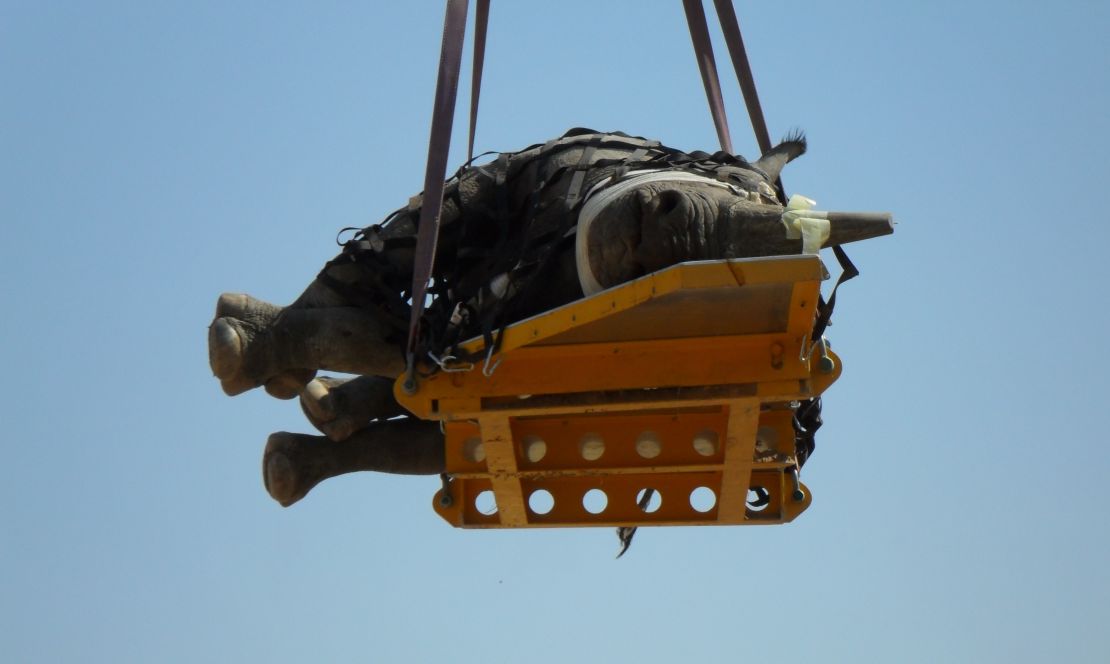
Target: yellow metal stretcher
<point>682,381</point>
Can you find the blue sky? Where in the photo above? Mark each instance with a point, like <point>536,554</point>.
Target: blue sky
<point>154,155</point>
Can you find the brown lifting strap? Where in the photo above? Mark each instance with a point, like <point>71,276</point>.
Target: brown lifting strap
<point>707,65</point>
<point>439,144</point>
<point>703,51</point>
<point>481,20</point>
<point>731,28</point>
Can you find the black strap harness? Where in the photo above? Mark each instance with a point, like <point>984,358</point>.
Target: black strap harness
<point>491,237</point>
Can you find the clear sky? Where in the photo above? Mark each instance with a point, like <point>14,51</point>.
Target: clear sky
<point>156,154</point>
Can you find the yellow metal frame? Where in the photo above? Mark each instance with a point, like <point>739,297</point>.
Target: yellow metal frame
<point>682,380</point>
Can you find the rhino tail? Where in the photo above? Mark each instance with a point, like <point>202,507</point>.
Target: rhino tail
<point>792,146</point>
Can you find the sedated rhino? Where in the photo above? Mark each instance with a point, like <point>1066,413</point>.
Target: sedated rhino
<point>526,232</point>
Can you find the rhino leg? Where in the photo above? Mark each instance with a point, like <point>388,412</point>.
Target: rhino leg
<point>338,407</point>
<point>252,343</point>
<point>295,463</point>
<point>239,320</point>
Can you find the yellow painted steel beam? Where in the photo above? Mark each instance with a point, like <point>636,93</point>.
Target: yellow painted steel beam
<point>497,442</point>
<point>740,437</point>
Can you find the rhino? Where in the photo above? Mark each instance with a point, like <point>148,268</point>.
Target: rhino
<point>520,234</point>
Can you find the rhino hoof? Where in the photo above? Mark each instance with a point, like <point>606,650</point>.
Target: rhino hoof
<point>279,473</point>
<point>225,356</point>
<point>319,403</point>
<point>232,304</point>
<point>339,429</point>
<point>288,384</point>
<point>280,478</point>
<point>225,348</point>
<point>315,400</point>
<point>246,308</point>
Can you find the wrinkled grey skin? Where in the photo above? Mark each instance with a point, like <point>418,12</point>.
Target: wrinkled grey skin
<point>257,344</point>
<point>660,224</point>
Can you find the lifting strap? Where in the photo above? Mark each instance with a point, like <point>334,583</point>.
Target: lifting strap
<point>703,50</point>
<point>735,42</point>
<point>481,20</point>
<point>439,144</point>
<point>707,65</point>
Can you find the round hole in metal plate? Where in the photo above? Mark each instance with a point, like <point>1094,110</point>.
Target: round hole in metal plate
<point>534,448</point>
<point>702,499</point>
<point>758,499</point>
<point>486,503</point>
<point>707,442</point>
<point>473,450</point>
<point>595,501</point>
<point>649,445</point>
<point>591,446</point>
<point>649,503</point>
<point>541,501</point>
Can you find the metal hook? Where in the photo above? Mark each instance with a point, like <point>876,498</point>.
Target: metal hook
<point>804,351</point>
<point>826,364</point>
<point>442,363</point>
<point>488,370</point>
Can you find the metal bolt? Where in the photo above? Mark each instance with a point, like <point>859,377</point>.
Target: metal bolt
<point>798,495</point>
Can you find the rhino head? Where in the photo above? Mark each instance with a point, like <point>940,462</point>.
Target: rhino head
<point>653,219</point>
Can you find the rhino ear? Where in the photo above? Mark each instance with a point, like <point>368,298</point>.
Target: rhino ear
<point>773,161</point>
<point>658,203</point>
